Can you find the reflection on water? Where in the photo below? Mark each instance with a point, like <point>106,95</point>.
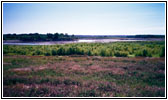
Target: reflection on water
<point>106,40</point>
<point>78,41</point>
<point>83,40</point>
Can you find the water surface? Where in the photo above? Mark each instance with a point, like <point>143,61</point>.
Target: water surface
<point>77,41</point>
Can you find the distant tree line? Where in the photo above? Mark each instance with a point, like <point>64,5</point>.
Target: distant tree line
<point>146,36</point>
<point>117,36</point>
<point>39,37</point>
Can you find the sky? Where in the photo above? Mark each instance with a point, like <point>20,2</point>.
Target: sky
<point>84,18</point>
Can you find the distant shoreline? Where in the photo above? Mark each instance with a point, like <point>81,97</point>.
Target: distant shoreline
<point>20,41</point>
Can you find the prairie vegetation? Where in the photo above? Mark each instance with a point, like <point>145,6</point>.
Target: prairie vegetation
<point>120,69</point>
<point>67,76</point>
<point>115,49</point>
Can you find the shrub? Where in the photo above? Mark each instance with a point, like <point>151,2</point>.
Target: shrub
<point>102,52</point>
<point>61,51</point>
<point>162,54</point>
<point>54,52</point>
<point>121,54</point>
<point>89,53</point>
<point>138,53</point>
<point>38,52</point>
<point>144,53</point>
<point>47,54</point>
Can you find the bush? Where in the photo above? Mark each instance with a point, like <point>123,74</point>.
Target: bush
<point>47,54</point>
<point>54,52</point>
<point>89,53</point>
<point>138,53</point>
<point>121,54</point>
<point>38,52</point>
<point>102,52</point>
<point>162,54</point>
<point>144,53</point>
<point>61,51</point>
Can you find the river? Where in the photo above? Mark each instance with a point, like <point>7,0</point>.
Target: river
<point>8,42</point>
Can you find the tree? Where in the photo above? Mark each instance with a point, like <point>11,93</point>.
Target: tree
<point>56,35</point>
<point>49,36</point>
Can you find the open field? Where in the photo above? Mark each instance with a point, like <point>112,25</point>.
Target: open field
<point>78,76</point>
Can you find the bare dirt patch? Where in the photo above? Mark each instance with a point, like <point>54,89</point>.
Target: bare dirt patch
<point>21,69</point>
<point>31,68</point>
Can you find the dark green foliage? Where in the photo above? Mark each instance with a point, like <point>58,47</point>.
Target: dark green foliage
<point>15,80</point>
<point>102,52</point>
<point>54,52</point>
<point>147,36</point>
<point>39,37</point>
<point>118,36</point>
<point>162,54</point>
<point>121,54</point>
<point>89,53</point>
<point>38,52</point>
<point>61,51</point>
<point>47,54</point>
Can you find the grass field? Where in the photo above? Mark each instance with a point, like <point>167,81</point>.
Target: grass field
<point>83,76</point>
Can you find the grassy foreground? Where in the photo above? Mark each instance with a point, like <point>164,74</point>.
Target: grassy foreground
<point>88,76</point>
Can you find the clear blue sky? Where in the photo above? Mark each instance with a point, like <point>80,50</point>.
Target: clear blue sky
<point>84,18</point>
